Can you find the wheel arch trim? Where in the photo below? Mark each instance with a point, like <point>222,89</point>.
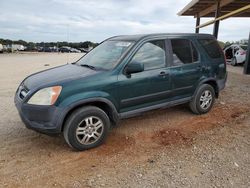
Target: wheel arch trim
<point>81,103</point>
<point>209,81</point>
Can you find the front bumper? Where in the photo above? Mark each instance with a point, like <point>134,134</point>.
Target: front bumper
<point>44,119</point>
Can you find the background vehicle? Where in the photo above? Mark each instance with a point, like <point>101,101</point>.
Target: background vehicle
<point>64,49</point>
<point>74,50</point>
<point>86,50</point>
<point>1,48</point>
<point>69,50</point>
<point>235,54</point>
<point>47,49</point>
<point>122,77</point>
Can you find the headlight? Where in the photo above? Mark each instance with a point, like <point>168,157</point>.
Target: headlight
<point>46,96</point>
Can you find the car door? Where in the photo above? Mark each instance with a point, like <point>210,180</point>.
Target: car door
<point>150,86</point>
<point>228,52</point>
<point>185,69</point>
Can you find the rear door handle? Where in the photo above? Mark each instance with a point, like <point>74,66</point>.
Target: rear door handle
<point>163,74</point>
<point>201,67</point>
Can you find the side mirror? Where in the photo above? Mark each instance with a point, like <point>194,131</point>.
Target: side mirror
<point>134,67</point>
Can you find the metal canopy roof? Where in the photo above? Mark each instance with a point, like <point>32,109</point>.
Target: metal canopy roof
<point>207,8</point>
<point>220,10</point>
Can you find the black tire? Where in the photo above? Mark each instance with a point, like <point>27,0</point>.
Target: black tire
<point>234,61</point>
<point>80,119</point>
<point>195,104</point>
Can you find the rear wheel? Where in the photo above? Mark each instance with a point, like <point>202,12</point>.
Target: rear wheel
<point>86,128</point>
<point>203,100</point>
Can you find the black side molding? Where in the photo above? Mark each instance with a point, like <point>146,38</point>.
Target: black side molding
<point>163,105</point>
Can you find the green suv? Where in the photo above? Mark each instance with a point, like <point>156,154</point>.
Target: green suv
<point>122,77</point>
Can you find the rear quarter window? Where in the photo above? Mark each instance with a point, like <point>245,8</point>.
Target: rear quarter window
<point>211,47</point>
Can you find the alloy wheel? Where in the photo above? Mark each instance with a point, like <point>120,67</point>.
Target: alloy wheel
<point>89,130</point>
<point>206,99</point>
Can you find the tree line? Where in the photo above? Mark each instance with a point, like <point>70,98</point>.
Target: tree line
<point>35,45</point>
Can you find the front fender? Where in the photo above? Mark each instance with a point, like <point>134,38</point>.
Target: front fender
<point>86,96</point>
<point>83,98</point>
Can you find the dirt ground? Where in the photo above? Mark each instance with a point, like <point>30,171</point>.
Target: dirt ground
<point>162,148</point>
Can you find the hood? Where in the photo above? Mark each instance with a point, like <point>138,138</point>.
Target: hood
<point>57,74</point>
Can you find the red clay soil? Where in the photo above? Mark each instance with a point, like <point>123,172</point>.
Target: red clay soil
<point>186,130</point>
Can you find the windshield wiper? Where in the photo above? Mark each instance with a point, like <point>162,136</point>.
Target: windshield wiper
<point>89,66</point>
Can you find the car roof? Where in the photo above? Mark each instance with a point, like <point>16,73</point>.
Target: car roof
<point>142,36</point>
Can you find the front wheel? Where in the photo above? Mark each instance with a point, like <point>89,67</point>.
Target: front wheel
<point>203,99</point>
<point>86,128</point>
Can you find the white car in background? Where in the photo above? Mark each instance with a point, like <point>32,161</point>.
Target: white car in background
<point>235,54</point>
<point>1,48</point>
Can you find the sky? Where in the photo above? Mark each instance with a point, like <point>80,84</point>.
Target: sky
<point>96,20</point>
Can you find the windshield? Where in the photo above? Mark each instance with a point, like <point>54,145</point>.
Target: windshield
<point>106,55</point>
<point>244,47</point>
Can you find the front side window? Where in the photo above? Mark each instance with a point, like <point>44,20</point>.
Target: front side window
<point>184,52</point>
<point>106,55</point>
<point>151,54</point>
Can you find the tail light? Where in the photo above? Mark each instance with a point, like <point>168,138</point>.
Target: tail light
<point>224,55</point>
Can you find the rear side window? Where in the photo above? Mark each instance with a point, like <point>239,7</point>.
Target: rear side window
<point>184,52</point>
<point>212,48</point>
